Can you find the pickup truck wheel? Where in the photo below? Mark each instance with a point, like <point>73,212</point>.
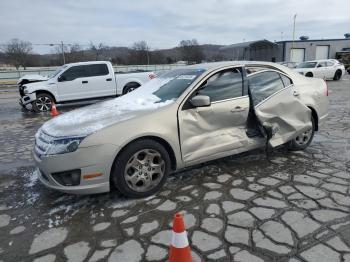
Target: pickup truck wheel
<point>303,140</point>
<point>337,75</point>
<point>141,169</point>
<point>130,87</point>
<point>43,102</point>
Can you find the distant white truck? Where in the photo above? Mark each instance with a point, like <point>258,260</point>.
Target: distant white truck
<point>76,82</point>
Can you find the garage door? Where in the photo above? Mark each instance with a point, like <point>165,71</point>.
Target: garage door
<point>322,52</point>
<point>297,55</point>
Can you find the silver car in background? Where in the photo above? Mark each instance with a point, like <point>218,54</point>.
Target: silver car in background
<point>182,118</point>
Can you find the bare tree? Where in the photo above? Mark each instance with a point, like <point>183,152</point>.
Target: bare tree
<point>97,49</point>
<point>17,52</point>
<point>139,53</point>
<point>191,51</point>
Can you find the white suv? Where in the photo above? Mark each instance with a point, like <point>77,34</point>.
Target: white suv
<point>326,69</point>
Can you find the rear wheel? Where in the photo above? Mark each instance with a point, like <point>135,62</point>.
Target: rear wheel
<point>141,169</point>
<point>303,140</point>
<point>43,102</point>
<point>130,87</point>
<point>337,75</point>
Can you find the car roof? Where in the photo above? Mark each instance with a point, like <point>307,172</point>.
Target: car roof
<point>85,63</point>
<point>217,65</point>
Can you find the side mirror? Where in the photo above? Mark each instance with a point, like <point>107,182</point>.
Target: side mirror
<point>61,78</point>
<point>200,101</point>
<point>319,66</point>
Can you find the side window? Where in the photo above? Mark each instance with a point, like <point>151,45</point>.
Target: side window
<point>286,80</point>
<point>263,85</point>
<point>73,73</point>
<point>329,63</point>
<point>96,70</point>
<point>223,85</point>
<point>322,64</point>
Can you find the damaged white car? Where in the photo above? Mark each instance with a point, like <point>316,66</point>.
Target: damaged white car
<point>185,117</point>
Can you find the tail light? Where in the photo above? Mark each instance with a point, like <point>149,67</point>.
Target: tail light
<point>152,75</point>
<point>326,87</point>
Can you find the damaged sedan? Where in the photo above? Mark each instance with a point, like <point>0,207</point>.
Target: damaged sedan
<point>182,118</point>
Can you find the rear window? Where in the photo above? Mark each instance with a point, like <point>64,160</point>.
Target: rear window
<point>96,70</point>
<point>263,85</point>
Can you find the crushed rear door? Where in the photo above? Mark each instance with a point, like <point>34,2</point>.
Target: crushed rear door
<point>278,108</point>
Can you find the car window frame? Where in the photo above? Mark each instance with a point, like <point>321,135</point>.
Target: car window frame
<point>284,87</point>
<point>185,103</point>
<point>68,70</point>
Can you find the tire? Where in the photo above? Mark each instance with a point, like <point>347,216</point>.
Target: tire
<point>43,102</point>
<point>309,74</point>
<point>299,143</point>
<point>337,75</point>
<point>133,167</point>
<point>130,87</point>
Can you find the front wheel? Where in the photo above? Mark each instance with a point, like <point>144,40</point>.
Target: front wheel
<point>43,102</point>
<point>141,169</point>
<point>303,140</point>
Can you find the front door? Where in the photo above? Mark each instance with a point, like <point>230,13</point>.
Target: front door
<point>277,105</point>
<point>214,131</point>
<point>70,83</point>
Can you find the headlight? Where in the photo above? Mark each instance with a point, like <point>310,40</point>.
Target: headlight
<point>64,145</point>
<point>25,90</point>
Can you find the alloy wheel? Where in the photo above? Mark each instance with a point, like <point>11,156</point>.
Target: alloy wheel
<point>43,103</point>
<point>304,138</point>
<point>144,170</point>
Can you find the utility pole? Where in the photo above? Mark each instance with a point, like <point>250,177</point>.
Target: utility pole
<point>62,49</point>
<point>292,52</point>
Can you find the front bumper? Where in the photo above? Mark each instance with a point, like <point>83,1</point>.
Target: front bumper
<point>27,99</point>
<point>90,160</point>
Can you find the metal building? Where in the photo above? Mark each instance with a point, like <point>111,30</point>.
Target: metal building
<point>260,50</point>
<point>306,50</point>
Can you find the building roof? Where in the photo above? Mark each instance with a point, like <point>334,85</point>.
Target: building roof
<point>256,44</point>
<point>313,40</point>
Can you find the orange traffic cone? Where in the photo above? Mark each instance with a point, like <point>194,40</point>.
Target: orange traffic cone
<point>54,111</point>
<point>179,249</point>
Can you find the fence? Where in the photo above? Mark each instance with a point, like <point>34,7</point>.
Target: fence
<point>45,71</point>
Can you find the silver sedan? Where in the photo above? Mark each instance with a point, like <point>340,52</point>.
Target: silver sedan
<point>184,117</point>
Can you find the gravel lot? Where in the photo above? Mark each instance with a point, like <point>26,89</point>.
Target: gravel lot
<point>291,207</point>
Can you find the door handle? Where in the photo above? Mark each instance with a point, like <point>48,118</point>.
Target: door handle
<point>296,93</point>
<point>237,109</point>
<point>84,82</point>
<point>109,79</point>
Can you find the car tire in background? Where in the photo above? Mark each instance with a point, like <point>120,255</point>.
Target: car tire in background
<point>303,140</point>
<point>337,75</point>
<point>130,87</point>
<point>141,168</point>
<point>43,102</point>
<point>309,74</point>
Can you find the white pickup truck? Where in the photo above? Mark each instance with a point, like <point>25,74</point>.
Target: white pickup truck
<point>79,81</point>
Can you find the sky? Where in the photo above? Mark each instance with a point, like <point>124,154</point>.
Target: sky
<point>164,23</point>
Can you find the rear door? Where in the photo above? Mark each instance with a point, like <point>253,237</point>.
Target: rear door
<point>98,81</point>
<point>277,105</point>
<point>211,132</point>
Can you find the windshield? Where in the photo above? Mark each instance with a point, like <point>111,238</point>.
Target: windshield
<point>167,86</point>
<point>57,71</point>
<point>307,65</point>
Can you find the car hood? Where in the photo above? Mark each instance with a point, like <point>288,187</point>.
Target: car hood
<point>33,78</point>
<point>87,120</point>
